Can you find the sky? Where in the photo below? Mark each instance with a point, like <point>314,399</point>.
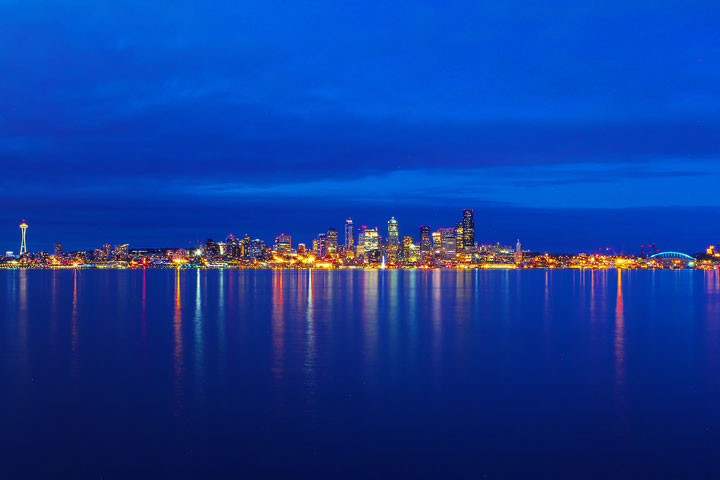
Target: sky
<point>570,125</point>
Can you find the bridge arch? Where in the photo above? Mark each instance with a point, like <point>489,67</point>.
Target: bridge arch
<point>672,255</point>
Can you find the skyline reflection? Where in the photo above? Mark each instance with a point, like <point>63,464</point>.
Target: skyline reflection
<point>232,360</point>
<point>619,339</point>
<point>178,345</point>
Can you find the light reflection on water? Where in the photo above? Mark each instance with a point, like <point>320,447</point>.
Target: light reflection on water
<point>619,335</point>
<point>178,344</point>
<point>331,361</point>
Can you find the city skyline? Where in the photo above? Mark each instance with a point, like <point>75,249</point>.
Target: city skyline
<point>369,244</point>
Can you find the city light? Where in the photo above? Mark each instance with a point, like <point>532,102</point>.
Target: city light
<point>452,247</point>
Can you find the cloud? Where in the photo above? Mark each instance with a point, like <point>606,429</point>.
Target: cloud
<point>503,104</point>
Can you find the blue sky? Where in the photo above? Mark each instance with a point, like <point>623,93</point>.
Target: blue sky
<point>572,125</point>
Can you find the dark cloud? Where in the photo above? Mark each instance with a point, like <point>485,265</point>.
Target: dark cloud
<point>151,108</point>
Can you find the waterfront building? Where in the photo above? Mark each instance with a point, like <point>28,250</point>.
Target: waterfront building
<point>58,249</point>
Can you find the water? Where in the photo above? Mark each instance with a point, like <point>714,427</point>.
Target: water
<point>357,374</point>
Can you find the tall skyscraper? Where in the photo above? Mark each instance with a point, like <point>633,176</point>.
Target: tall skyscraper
<point>425,241</point>
<point>23,245</point>
<point>468,228</point>
<point>332,240</point>
<point>518,252</point>
<point>393,235</point>
<point>349,234</point>
<point>58,249</point>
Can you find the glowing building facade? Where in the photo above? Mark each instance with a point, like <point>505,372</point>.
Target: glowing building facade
<point>468,233</point>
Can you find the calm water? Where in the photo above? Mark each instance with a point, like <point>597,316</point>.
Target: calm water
<point>337,374</point>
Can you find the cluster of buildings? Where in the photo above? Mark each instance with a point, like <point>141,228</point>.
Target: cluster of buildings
<point>454,246</point>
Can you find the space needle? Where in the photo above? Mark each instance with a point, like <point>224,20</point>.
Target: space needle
<point>23,246</point>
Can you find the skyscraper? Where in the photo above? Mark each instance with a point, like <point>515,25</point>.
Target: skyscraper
<point>468,228</point>
<point>349,234</point>
<point>425,241</point>
<point>393,235</point>
<point>58,249</point>
<point>332,240</point>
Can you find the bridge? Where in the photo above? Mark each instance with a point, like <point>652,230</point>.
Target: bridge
<point>672,256</point>
<point>674,259</point>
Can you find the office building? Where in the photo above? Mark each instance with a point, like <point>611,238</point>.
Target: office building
<point>332,241</point>
<point>349,235</point>
<point>468,229</point>
<point>393,233</point>
<point>447,242</point>
<point>320,245</point>
<point>283,243</point>
<point>425,242</point>
<point>368,240</point>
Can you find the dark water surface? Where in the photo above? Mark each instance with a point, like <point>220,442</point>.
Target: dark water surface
<point>362,374</point>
